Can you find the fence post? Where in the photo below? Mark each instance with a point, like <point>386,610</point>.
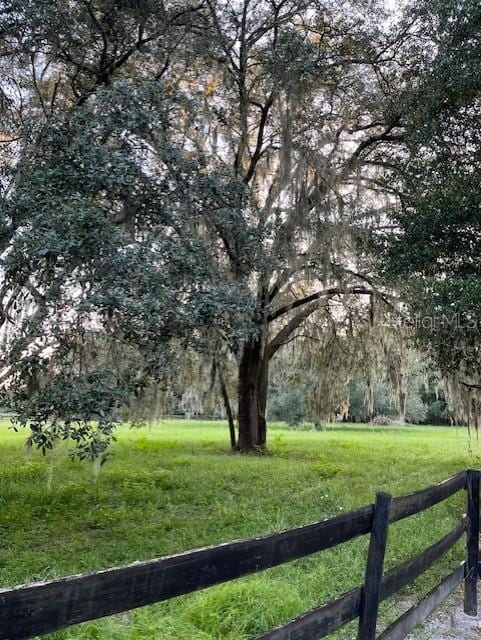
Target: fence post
<point>472,543</point>
<point>374,567</point>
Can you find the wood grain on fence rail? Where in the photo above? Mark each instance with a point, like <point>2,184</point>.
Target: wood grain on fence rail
<point>405,506</point>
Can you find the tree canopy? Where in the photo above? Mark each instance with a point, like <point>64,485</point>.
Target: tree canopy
<point>434,256</point>
<point>204,178</point>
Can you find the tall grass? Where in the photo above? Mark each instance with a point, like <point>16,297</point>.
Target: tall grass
<point>178,487</point>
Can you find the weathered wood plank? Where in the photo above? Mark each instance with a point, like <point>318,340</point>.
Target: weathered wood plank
<point>321,621</point>
<point>408,621</point>
<point>35,609</point>
<point>371,590</point>
<point>472,544</point>
<point>408,571</point>
<point>405,506</point>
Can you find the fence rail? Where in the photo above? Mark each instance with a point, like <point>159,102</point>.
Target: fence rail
<point>39,608</point>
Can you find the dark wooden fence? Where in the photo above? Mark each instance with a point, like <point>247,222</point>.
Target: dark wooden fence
<point>35,609</point>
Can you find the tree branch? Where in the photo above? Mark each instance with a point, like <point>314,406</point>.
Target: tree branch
<point>276,343</point>
<point>260,138</point>
<point>324,293</point>
<point>470,386</point>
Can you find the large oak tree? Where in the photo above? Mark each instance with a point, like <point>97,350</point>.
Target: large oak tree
<point>184,175</point>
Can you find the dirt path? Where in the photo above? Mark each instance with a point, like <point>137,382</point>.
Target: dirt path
<point>450,623</point>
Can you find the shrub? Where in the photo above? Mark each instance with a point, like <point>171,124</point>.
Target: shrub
<point>287,406</point>
<point>382,420</point>
<point>415,410</point>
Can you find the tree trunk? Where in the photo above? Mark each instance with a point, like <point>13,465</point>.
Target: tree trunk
<point>228,410</point>
<point>402,407</point>
<point>253,379</point>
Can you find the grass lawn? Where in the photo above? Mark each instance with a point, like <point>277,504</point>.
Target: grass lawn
<point>177,487</point>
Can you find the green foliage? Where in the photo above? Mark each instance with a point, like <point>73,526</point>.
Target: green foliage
<point>438,413</point>
<point>108,250</point>
<point>434,257</point>
<point>287,406</point>
<point>357,400</point>
<point>416,410</point>
<point>421,408</point>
